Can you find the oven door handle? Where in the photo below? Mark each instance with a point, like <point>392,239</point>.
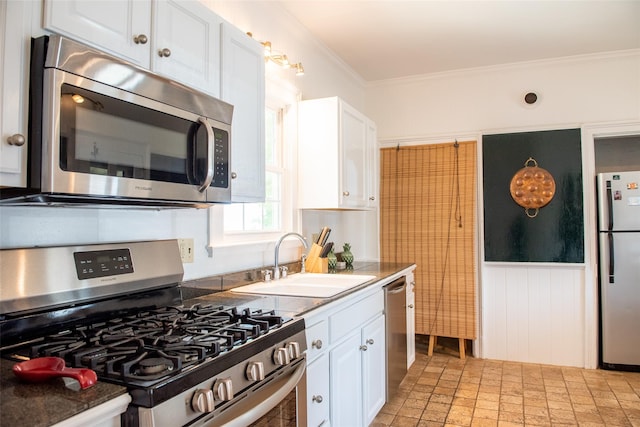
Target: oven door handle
<point>247,410</point>
<point>210,141</point>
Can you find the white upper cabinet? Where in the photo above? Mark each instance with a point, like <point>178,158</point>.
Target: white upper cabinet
<point>15,17</point>
<point>334,156</point>
<point>243,86</point>
<point>122,27</point>
<point>177,39</point>
<point>186,44</point>
<point>352,134</point>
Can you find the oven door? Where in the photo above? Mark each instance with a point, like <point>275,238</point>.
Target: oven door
<point>280,400</point>
<point>98,140</point>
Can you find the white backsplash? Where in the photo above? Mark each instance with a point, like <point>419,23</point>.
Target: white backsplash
<point>45,226</point>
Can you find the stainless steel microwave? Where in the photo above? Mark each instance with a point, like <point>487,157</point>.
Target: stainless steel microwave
<point>109,132</point>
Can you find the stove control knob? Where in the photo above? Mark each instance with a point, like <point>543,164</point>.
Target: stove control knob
<point>255,371</point>
<point>223,389</point>
<point>294,350</point>
<point>202,401</point>
<point>281,356</point>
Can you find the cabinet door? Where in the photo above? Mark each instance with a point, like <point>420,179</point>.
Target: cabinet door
<point>186,44</point>
<point>373,165</point>
<point>318,392</point>
<point>346,382</point>
<point>243,86</point>
<point>319,173</point>
<point>111,25</point>
<point>353,136</point>
<point>15,17</point>
<point>374,380</point>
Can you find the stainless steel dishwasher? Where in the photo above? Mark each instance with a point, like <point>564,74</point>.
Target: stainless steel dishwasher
<point>395,306</point>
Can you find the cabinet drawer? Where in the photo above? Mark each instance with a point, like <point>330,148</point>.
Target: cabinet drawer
<point>317,339</point>
<point>355,315</point>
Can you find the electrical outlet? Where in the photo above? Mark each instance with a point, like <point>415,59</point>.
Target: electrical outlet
<point>186,250</point>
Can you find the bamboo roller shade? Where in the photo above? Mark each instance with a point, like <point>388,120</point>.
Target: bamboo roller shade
<point>419,207</point>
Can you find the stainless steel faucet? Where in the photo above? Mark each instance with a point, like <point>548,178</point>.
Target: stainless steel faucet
<point>276,269</point>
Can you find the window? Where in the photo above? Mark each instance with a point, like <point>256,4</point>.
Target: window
<point>267,216</point>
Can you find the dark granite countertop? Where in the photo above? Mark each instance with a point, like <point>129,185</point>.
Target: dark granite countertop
<point>44,404</point>
<point>289,305</point>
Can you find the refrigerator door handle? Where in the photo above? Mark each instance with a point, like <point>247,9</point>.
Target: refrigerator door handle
<point>609,206</point>
<point>611,259</point>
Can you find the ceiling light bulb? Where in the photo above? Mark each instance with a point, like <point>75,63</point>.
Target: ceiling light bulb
<point>267,48</point>
<point>78,99</point>
<point>285,61</point>
<point>299,69</point>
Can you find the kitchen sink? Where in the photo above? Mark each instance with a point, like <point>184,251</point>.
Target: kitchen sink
<point>307,285</point>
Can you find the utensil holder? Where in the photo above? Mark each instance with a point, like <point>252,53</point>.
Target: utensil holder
<point>314,263</point>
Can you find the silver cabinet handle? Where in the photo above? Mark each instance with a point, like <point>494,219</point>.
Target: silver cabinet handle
<point>410,305</point>
<point>363,347</point>
<point>317,344</point>
<point>140,39</point>
<point>370,341</point>
<point>234,175</point>
<point>345,193</point>
<point>317,399</point>
<point>165,52</point>
<point>17,139</point>
<point>372,198</point>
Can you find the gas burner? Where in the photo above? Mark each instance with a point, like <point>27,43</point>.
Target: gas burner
<point>154,365</point>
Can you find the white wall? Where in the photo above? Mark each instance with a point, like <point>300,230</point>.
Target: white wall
<point>571,92</point>
<point>529,312</point>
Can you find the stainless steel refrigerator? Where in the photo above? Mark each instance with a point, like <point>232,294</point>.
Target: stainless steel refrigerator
<point>619,247</point>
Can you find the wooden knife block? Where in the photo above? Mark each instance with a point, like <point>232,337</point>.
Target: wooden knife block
<point>314,263</point>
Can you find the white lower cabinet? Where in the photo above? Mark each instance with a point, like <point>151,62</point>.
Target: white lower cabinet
<point>106,414</point>
<point>318,392</point>
<point>374,381</point>
<point>358,375</point>
<point>346,382</point>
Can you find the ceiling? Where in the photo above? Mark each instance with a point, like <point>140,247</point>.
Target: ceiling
<point>389,39</point>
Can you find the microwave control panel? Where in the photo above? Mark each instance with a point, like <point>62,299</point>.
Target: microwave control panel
<point>94,264</point>
<point>221,159</point>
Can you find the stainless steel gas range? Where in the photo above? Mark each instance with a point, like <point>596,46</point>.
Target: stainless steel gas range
<point>117,309</point>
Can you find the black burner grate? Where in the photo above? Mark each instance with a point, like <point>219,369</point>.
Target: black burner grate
<point>154,344</point>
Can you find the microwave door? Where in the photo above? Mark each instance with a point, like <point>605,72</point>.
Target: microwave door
<point>118,144</point>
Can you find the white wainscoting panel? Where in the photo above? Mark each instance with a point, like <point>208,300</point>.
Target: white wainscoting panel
<point>533,313</point>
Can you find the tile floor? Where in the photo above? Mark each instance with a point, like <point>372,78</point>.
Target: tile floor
<point>443,390</point>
